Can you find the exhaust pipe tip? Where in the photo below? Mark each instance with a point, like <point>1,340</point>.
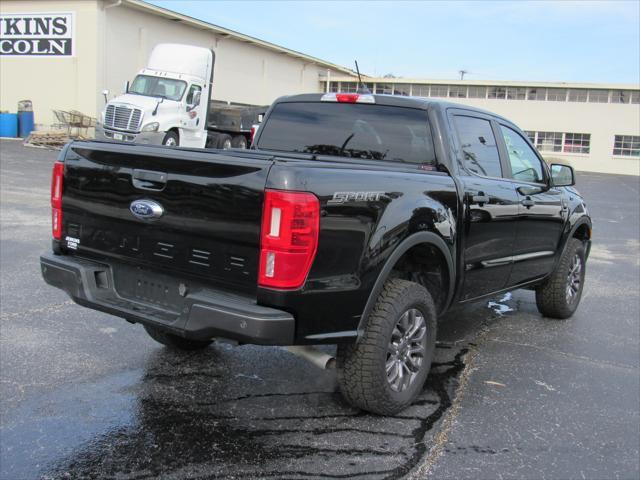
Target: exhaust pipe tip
<point>320,359</point>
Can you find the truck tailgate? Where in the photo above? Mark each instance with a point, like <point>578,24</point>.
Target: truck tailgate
<point>211,209</point>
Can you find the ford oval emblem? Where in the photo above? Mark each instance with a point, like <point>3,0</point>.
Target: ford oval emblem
<point>146,209</point>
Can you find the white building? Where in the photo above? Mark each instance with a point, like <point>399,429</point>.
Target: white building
<point>62,54</point>
<point>595,127</point>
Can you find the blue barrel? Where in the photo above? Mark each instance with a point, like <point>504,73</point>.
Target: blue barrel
<point>25,123</point>
<point>8,125</point>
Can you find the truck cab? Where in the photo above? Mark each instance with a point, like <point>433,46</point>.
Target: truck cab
<point>167,102</point>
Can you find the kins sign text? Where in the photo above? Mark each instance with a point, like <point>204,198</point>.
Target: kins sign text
<point>37,34</point>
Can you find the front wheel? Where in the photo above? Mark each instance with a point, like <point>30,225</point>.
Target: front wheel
<point>174,341</point>
<point>559,296</point>
<point>385,371</point>
<point>239,142</point>
<point>224,142</point>
<point>171,139</point>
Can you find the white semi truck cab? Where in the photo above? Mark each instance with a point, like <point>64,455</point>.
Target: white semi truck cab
<point>169,103</point>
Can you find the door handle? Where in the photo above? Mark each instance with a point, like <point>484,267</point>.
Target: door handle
<point>527,202</point>
<point>148,180</point>
<point>480,199</point>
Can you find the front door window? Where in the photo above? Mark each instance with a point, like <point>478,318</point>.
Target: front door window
<point>525,164</point>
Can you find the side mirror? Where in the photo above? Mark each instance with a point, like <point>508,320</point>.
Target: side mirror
<point>105,94</point>
<point>126,86</point>
<point>562,175</point>
<point>159,101</point>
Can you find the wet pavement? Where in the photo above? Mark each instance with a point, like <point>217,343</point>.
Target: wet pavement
<point>87,395</point>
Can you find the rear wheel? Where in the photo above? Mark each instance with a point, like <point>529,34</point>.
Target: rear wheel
<point>239,142</point>
<point>224,141</point>
<point>385,371</point>
<point>174,341</point>
<point>559,296</point>
<point>171,139</point>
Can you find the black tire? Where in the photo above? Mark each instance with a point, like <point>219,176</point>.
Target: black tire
<point>362,367</point>
<point>239,142</point>
<point>171,139</point>
<point>224,141</point>
<point>174,341</point>
<point>552,297</point>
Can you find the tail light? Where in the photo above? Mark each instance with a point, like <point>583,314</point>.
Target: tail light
<point>348,98</point>
<point>289,238</point>
<point>254,130</point>
<point>56,200</point>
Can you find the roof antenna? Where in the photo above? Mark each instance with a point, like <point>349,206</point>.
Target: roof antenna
<point>362,88</point>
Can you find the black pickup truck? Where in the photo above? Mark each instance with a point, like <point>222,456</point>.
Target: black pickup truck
<point>354,220</point>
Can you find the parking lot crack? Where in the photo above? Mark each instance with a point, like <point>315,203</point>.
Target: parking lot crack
<point>425,466</point>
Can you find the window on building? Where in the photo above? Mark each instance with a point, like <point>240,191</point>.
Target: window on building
<point>349,87</point>
<point>497,92</point>
<point>477,92</point>
<point>537,94</point>
<point>635,96</point>
<point>458,91</point>
<point>439,90</point>
<point>334,87</point>
<point>525,164</point>
<point>403,89</point>
<point>384,88</point>
<point>549,141</point>
<point>620,96</point>
<point>557,94</point>
<point>576,142</point>
<point>599,96</point>
<point>479,148</point>
<point>577,95</point>
<point>418,90</point>
<point>516,93</point>
<point>531,135</point>
<point>626,145</point>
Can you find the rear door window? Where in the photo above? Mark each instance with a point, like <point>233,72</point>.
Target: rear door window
<point>375,132</point>
<point>479,147</point>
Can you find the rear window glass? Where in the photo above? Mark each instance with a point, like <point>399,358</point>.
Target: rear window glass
<point>351,130</point>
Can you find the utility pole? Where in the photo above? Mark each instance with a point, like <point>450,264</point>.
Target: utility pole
<point>462,73</point>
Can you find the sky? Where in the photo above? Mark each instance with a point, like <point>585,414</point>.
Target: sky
<point>577,41</point>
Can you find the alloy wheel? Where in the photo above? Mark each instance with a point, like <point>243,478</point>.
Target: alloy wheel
<point>574,278</point>
<point>406,350</point>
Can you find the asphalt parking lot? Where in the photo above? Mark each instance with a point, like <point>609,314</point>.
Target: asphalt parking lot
<point>512,395</point>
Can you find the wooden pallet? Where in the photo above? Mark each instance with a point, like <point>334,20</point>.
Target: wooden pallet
<point>52,139</point>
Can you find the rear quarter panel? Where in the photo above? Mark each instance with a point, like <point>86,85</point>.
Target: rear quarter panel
<point>357,236</point>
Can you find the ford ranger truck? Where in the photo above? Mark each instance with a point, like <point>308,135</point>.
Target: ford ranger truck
<point>354,220</point>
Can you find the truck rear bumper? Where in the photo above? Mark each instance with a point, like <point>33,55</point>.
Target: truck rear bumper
<point>203,313</point>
